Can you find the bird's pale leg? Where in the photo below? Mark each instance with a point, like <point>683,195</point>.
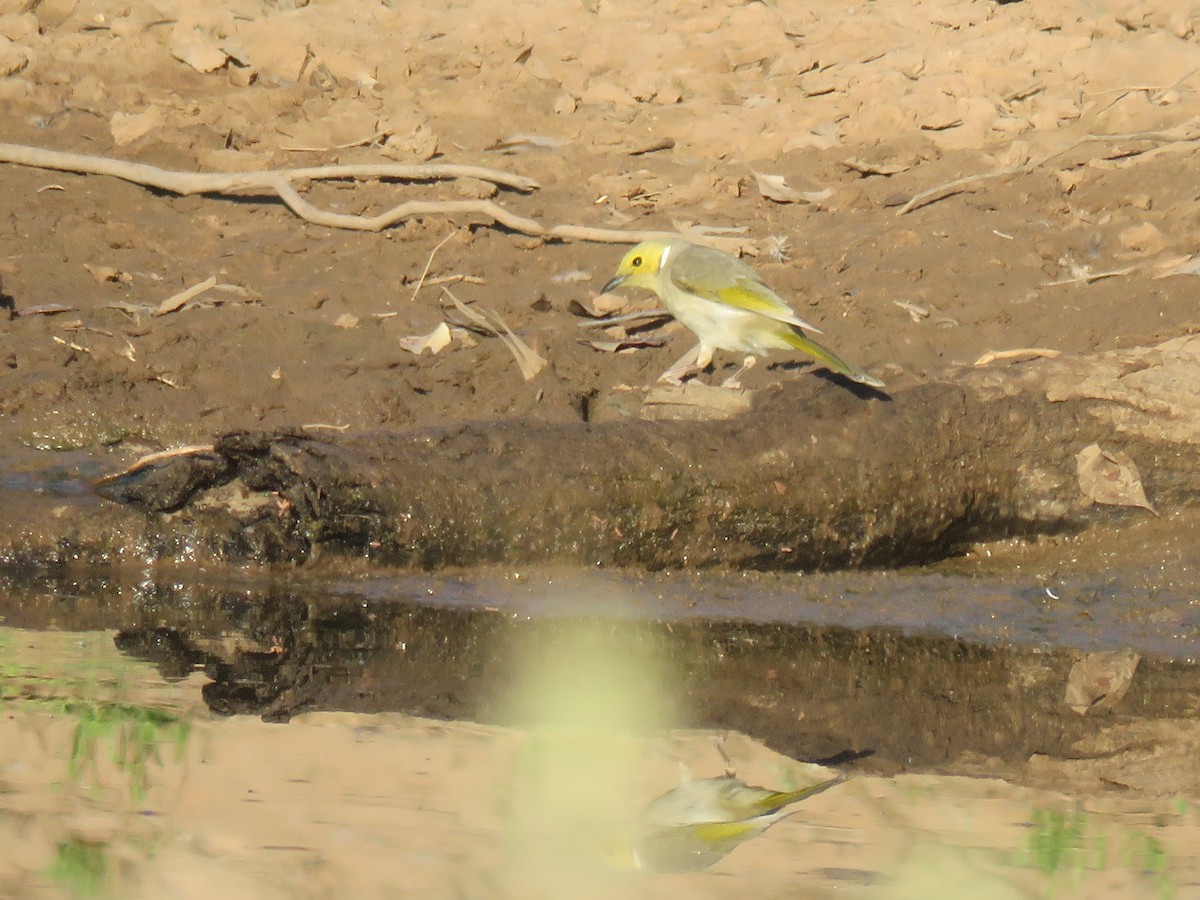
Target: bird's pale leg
<point>730,768</point>
<point>686,365</point>
<point>734,382</point>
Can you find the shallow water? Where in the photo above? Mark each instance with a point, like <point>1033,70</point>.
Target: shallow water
<point>1109,612</point>
<point>906,680</point>
<point>893,671</point>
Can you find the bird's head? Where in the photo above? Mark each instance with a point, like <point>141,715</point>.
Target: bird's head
<point>642,265</point>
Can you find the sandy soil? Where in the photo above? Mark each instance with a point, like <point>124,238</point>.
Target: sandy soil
<point>872,106</point>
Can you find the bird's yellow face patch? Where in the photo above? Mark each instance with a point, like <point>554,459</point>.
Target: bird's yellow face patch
<point>640,266</point>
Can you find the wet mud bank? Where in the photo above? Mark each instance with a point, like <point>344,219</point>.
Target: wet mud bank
<point>876,699</point>
<point>808,479</point>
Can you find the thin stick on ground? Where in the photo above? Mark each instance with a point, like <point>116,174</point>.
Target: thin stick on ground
<point>428,263</point>
<point>949,188</point>
<point>606,235</point>
<point>399,213</point>
<point>281,182</point>
<point>151,459</point>
<point>187,183</point>
<point>1023,353</point>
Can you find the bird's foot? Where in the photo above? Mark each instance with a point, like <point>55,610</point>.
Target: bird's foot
<point>734,381</point>
<point>691,363</point>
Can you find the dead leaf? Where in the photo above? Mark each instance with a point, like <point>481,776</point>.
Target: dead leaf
<point>1100,680</point>
<point>775,187</point>
<point>575,308</point>
<point>436,341</point>
<point>528,361</point>
<point>1110,477</point>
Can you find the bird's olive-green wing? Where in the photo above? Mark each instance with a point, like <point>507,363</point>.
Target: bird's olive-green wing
<point>722,278</point>
<point>772,801</point>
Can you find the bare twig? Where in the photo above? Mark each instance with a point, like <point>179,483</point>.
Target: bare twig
<point>628,317</point>
<point>1025,353</point>
<point>310,213</point>
<point>176,301</point>
<point>950,188</point>
<point>71,344</point>
<point>428,263</point>
<point>455,279</point>
<point>281,182</point>
<point>1084,275</point>
<point>605,235</point>
<point>185,183</point>
<point>941,191</point>
<point>160,456</point>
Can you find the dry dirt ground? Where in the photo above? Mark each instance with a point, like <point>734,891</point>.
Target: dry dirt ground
<point>862,108</point>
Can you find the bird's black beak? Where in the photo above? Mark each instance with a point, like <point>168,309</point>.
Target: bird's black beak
<point>615,283</point>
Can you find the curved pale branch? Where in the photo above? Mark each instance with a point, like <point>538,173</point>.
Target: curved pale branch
<point>282,183</point>
<point>186,183</point>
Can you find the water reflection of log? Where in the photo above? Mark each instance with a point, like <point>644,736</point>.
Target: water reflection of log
<point>904,702</point>
<point>813,477</point>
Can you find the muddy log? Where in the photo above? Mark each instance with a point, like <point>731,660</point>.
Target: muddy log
<point>815,475</point>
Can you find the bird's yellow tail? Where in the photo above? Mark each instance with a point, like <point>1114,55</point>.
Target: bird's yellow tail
<point>831,359</point>
<point>786,798</point>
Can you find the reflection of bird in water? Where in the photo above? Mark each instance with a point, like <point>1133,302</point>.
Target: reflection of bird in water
<point>694,825</point>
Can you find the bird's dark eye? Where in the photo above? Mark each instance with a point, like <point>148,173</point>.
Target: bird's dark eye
<point>636,261</point>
